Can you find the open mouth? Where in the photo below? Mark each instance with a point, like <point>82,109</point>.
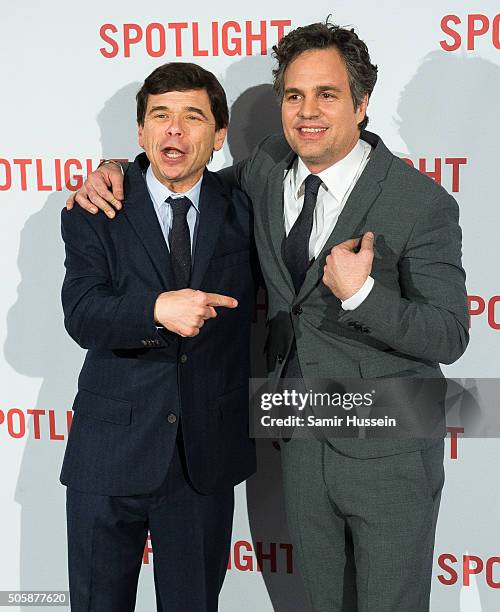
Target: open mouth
<point>312,130</point>
<point>172,153</point>
<point>311,133</point>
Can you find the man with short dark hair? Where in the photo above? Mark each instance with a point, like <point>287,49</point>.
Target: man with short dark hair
<point>361,256</point>
<point>160,429</point>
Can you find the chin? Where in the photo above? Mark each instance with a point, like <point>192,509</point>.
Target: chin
<point>312,147</point>
<point>309,156</point>
<point>169,175</point>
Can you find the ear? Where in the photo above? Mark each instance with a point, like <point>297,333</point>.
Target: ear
<point>361,110</point>
<point>140,135</point>
<point>220,136</point>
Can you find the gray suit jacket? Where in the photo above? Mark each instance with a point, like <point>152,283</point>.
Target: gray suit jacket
<point>416,314</point>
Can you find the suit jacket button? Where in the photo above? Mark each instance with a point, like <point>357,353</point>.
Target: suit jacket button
<point>183,358</point>
<point>297,310</point>
<point>171,418</point>
<point>279,358</point>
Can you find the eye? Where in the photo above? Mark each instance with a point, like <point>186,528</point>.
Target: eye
<point>193,118</point>
<point>293,98</point>
<point>161,116</point>
<point>327,95</point>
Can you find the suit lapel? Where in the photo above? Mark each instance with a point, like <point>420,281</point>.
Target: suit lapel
<point>348,225</point>
<point>213,205</point>
<point>275,225</point>
<point>352,218</point>
<point>140,211</point>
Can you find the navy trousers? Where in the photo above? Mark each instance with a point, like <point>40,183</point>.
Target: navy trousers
<point>190,537</point>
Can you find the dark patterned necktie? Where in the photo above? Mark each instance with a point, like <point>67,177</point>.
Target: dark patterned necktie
<point>296,251</point>
<point>179,241</point>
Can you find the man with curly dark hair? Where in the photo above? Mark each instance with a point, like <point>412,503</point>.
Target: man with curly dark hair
<point>361,256</point>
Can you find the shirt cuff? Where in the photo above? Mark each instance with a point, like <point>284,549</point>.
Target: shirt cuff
<point>360,296</point>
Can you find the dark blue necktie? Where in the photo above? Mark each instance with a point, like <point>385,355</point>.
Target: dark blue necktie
<point>296,249</point>
<point>179,241</point>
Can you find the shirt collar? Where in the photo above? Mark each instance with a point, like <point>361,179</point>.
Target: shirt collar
<point>337,178</point>
<point>159,192</point>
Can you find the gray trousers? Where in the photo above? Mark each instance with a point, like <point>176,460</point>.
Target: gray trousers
<point>363,529</point>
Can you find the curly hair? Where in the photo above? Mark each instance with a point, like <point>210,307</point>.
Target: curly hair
<point>362,74</point>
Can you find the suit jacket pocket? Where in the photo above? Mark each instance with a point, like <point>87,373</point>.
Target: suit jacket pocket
<point>109,409</point>
<point>234,401</point>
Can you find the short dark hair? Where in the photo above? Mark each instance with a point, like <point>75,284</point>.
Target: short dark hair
<point>361,72</point>
<point>182,76</point>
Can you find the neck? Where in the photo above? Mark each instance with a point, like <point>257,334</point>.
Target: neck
<point>179,185</point>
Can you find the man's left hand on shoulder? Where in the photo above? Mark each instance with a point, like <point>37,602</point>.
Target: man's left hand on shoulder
<point>348,266</point>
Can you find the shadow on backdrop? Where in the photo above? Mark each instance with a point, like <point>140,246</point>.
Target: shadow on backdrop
<point>37,345</point>
<point>255,114</point>
<point>446,111</point>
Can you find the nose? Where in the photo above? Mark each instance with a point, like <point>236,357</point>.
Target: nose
<point>309,108</point>
<point>174,126</point>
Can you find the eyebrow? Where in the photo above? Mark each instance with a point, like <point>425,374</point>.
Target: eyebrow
<point>188,109</point>
<point>318,89</point>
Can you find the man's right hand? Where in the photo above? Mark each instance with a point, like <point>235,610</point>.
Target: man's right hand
<point>185,311</point>
<point>102,190</point>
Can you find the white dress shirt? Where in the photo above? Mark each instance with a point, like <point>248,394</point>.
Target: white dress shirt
<point>159,193</point>
<point>337,183</point>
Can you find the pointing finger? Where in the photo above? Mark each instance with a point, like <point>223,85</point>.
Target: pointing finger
<point>216,299</point>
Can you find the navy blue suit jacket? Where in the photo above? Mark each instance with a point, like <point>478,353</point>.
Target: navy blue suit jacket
<point>135,377</point>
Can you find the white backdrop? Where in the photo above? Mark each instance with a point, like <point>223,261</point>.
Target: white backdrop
<point>70,72</point>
